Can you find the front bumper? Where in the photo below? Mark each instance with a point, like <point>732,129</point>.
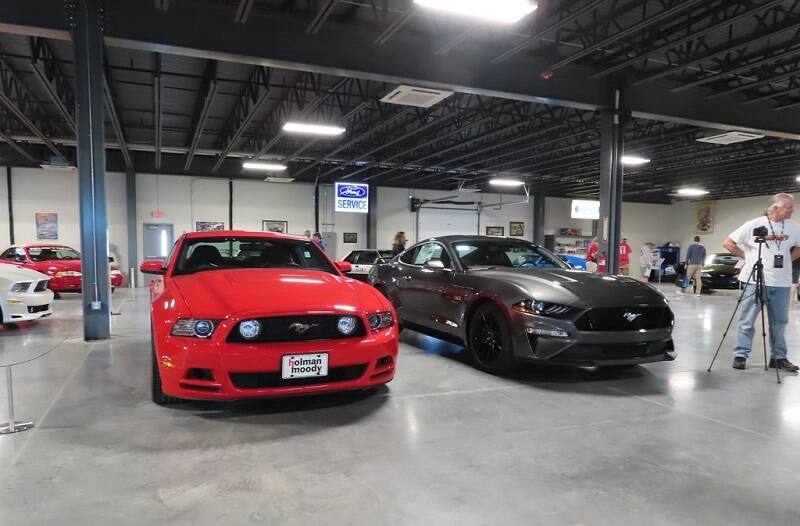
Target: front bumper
<point>208,370</point>
<point>27,306</point>
<point>73,283</point>
<point>587,348</point>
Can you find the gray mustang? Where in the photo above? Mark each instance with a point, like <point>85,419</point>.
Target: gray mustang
<point>508,300</point>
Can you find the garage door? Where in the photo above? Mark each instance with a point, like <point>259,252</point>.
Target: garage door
<point>435,222</point>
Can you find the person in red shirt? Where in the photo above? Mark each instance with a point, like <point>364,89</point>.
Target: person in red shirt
<point>591,256</point>
<point>625,252</point>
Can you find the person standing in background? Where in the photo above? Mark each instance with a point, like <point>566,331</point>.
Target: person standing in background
<point>646,260</point>
<point>695,259</point>
<point>307,234</point>
<point>625,251</point>
<point>591,255</point>
<point>399,243</point>
<point>317,239</point>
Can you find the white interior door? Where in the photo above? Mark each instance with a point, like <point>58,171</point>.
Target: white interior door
<point>436,222</point>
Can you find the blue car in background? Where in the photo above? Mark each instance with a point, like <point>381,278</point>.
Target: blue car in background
<point>576,261</point>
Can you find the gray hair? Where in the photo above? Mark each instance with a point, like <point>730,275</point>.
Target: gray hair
<point>778,201</point>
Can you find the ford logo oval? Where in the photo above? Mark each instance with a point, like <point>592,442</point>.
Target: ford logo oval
<point>352,191</point>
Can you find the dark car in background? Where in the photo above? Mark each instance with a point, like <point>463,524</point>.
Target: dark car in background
<point>363,261</point>
<point>721,272</point>
<point>508,301</point>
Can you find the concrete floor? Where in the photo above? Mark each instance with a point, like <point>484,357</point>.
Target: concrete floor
<point>443,444</point>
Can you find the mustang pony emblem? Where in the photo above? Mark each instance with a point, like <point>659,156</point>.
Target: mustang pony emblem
<point>632,316</point>
<point>301,328</point>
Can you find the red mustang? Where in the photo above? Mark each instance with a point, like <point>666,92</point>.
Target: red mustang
<point>60,262</point>
<point>258,314</point>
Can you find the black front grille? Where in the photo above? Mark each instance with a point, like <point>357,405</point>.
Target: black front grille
<point>297,329</point>
<point>625,319</point>
<point>41,286</point>
<point>38,308</point>
<point>273,379</point>
<point>593,354</point>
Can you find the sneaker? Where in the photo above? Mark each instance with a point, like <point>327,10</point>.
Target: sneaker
<point>783,365</point>
<point>681,292</point>
<point>739,363</point>
<point>697,295</point>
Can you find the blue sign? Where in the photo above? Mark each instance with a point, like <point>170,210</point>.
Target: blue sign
<point>352,197</point>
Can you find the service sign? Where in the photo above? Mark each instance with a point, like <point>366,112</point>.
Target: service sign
<point>585,209</point>
<point>352,197</point>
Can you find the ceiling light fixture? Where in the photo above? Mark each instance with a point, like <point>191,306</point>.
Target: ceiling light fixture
<point>312,129</point>
<point>632,160</point>
<point>264,167</point>
<point>692,192</point>
<point>797,179</point>
<point>503,11</point>
<point>506,182</point>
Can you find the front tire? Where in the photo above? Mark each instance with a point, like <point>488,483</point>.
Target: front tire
<point>489,343</point>
<point>157,393</point>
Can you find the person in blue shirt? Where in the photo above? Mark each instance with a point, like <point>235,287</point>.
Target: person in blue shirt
<point>695,259</point>
<point>317,239</point>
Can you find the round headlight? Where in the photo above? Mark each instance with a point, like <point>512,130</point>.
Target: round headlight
<point>203,328</point>
<point>250,329</point>
<point>374,320</point>
<point>347,325</point>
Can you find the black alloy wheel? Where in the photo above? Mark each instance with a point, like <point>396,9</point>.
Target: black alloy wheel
<point>489,340</point>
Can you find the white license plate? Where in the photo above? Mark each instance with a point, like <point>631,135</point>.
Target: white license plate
<point>304,365</point>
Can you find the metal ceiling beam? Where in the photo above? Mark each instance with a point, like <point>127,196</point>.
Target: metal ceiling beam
<point>395,26</point>
<point>648,21</point>
<point>157,109</point>
<point>205,98</point>
<point>243,11</point>
<point>687,38</point>
<point>251,100</point>
<point>322,15</point>
<point>116,122</point>
<point>58,88</point>
<point>24,106</point>
<point>752,85</point>
<point>17,148</point>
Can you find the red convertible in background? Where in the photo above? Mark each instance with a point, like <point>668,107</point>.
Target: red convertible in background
<point>60,262</point>
<point>257,314</point>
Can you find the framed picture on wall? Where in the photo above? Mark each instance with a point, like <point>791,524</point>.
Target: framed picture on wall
<point>46,225</point>
<point>208,226</point>
<point>495,231</point>
<point>269,225</point>
<point>350,237</point>
<point>516,228</point>
<point>705,218</point>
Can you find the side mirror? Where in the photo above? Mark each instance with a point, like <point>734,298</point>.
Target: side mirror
<point>435,264</point>
<point>154,266</point>
<point>344,267</point>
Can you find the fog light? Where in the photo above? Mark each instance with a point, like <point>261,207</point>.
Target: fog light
<point>250,329</point>
<point>555,333</point>
<point>347,325</point>
<point>203,328</point>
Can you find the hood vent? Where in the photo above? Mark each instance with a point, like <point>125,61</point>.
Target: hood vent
<point>418,97</point>
<point>730,138</point>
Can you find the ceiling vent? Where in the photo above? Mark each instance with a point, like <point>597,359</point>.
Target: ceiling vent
<point>278,179</point>
<point>730,138</point>
<point>56,163</point>
<point>419,97</point>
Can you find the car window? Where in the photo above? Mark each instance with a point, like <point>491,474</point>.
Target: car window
<point>227,253</point>
<point>367,258</point>
<point>8,254</point>
<point>431,251</point>
<point>52,253</point>
<point>505,253</point>
<point>409,255</point>
<point>351,257</point>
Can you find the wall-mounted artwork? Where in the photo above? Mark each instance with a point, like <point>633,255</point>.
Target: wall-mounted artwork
<point>208,226</point>
<point>495,231</point>
<point>46,225</point>
<point>705,218</point>
<point>281,227</point>
<point>351,237</point>
<point>516,228</point>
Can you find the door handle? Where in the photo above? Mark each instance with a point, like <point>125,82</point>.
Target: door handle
<point>406,278</point>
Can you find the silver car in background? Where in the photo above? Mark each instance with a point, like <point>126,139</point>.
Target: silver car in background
<point>507,300</point>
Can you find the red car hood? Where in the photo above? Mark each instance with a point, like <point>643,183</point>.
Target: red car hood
<point>273,292</point>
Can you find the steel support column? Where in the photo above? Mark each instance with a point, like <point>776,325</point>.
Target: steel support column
<point>538,218</point>
<point>133,231</point>
<point>611,147</point>
<point>372,217</point>
<point>88,38</point>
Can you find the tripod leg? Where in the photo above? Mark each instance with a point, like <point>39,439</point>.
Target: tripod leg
<point>730,321</point>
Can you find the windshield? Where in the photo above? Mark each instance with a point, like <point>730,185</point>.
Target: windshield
<point>227,253</point>
<point>505,253</point>
<point>52,253</point>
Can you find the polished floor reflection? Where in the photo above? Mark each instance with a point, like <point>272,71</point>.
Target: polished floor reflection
<point>661,444</point>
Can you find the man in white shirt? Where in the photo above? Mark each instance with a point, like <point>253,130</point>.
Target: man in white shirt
<point>781,247</point>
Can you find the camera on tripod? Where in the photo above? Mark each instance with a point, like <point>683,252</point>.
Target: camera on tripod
<point>760,233</point>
